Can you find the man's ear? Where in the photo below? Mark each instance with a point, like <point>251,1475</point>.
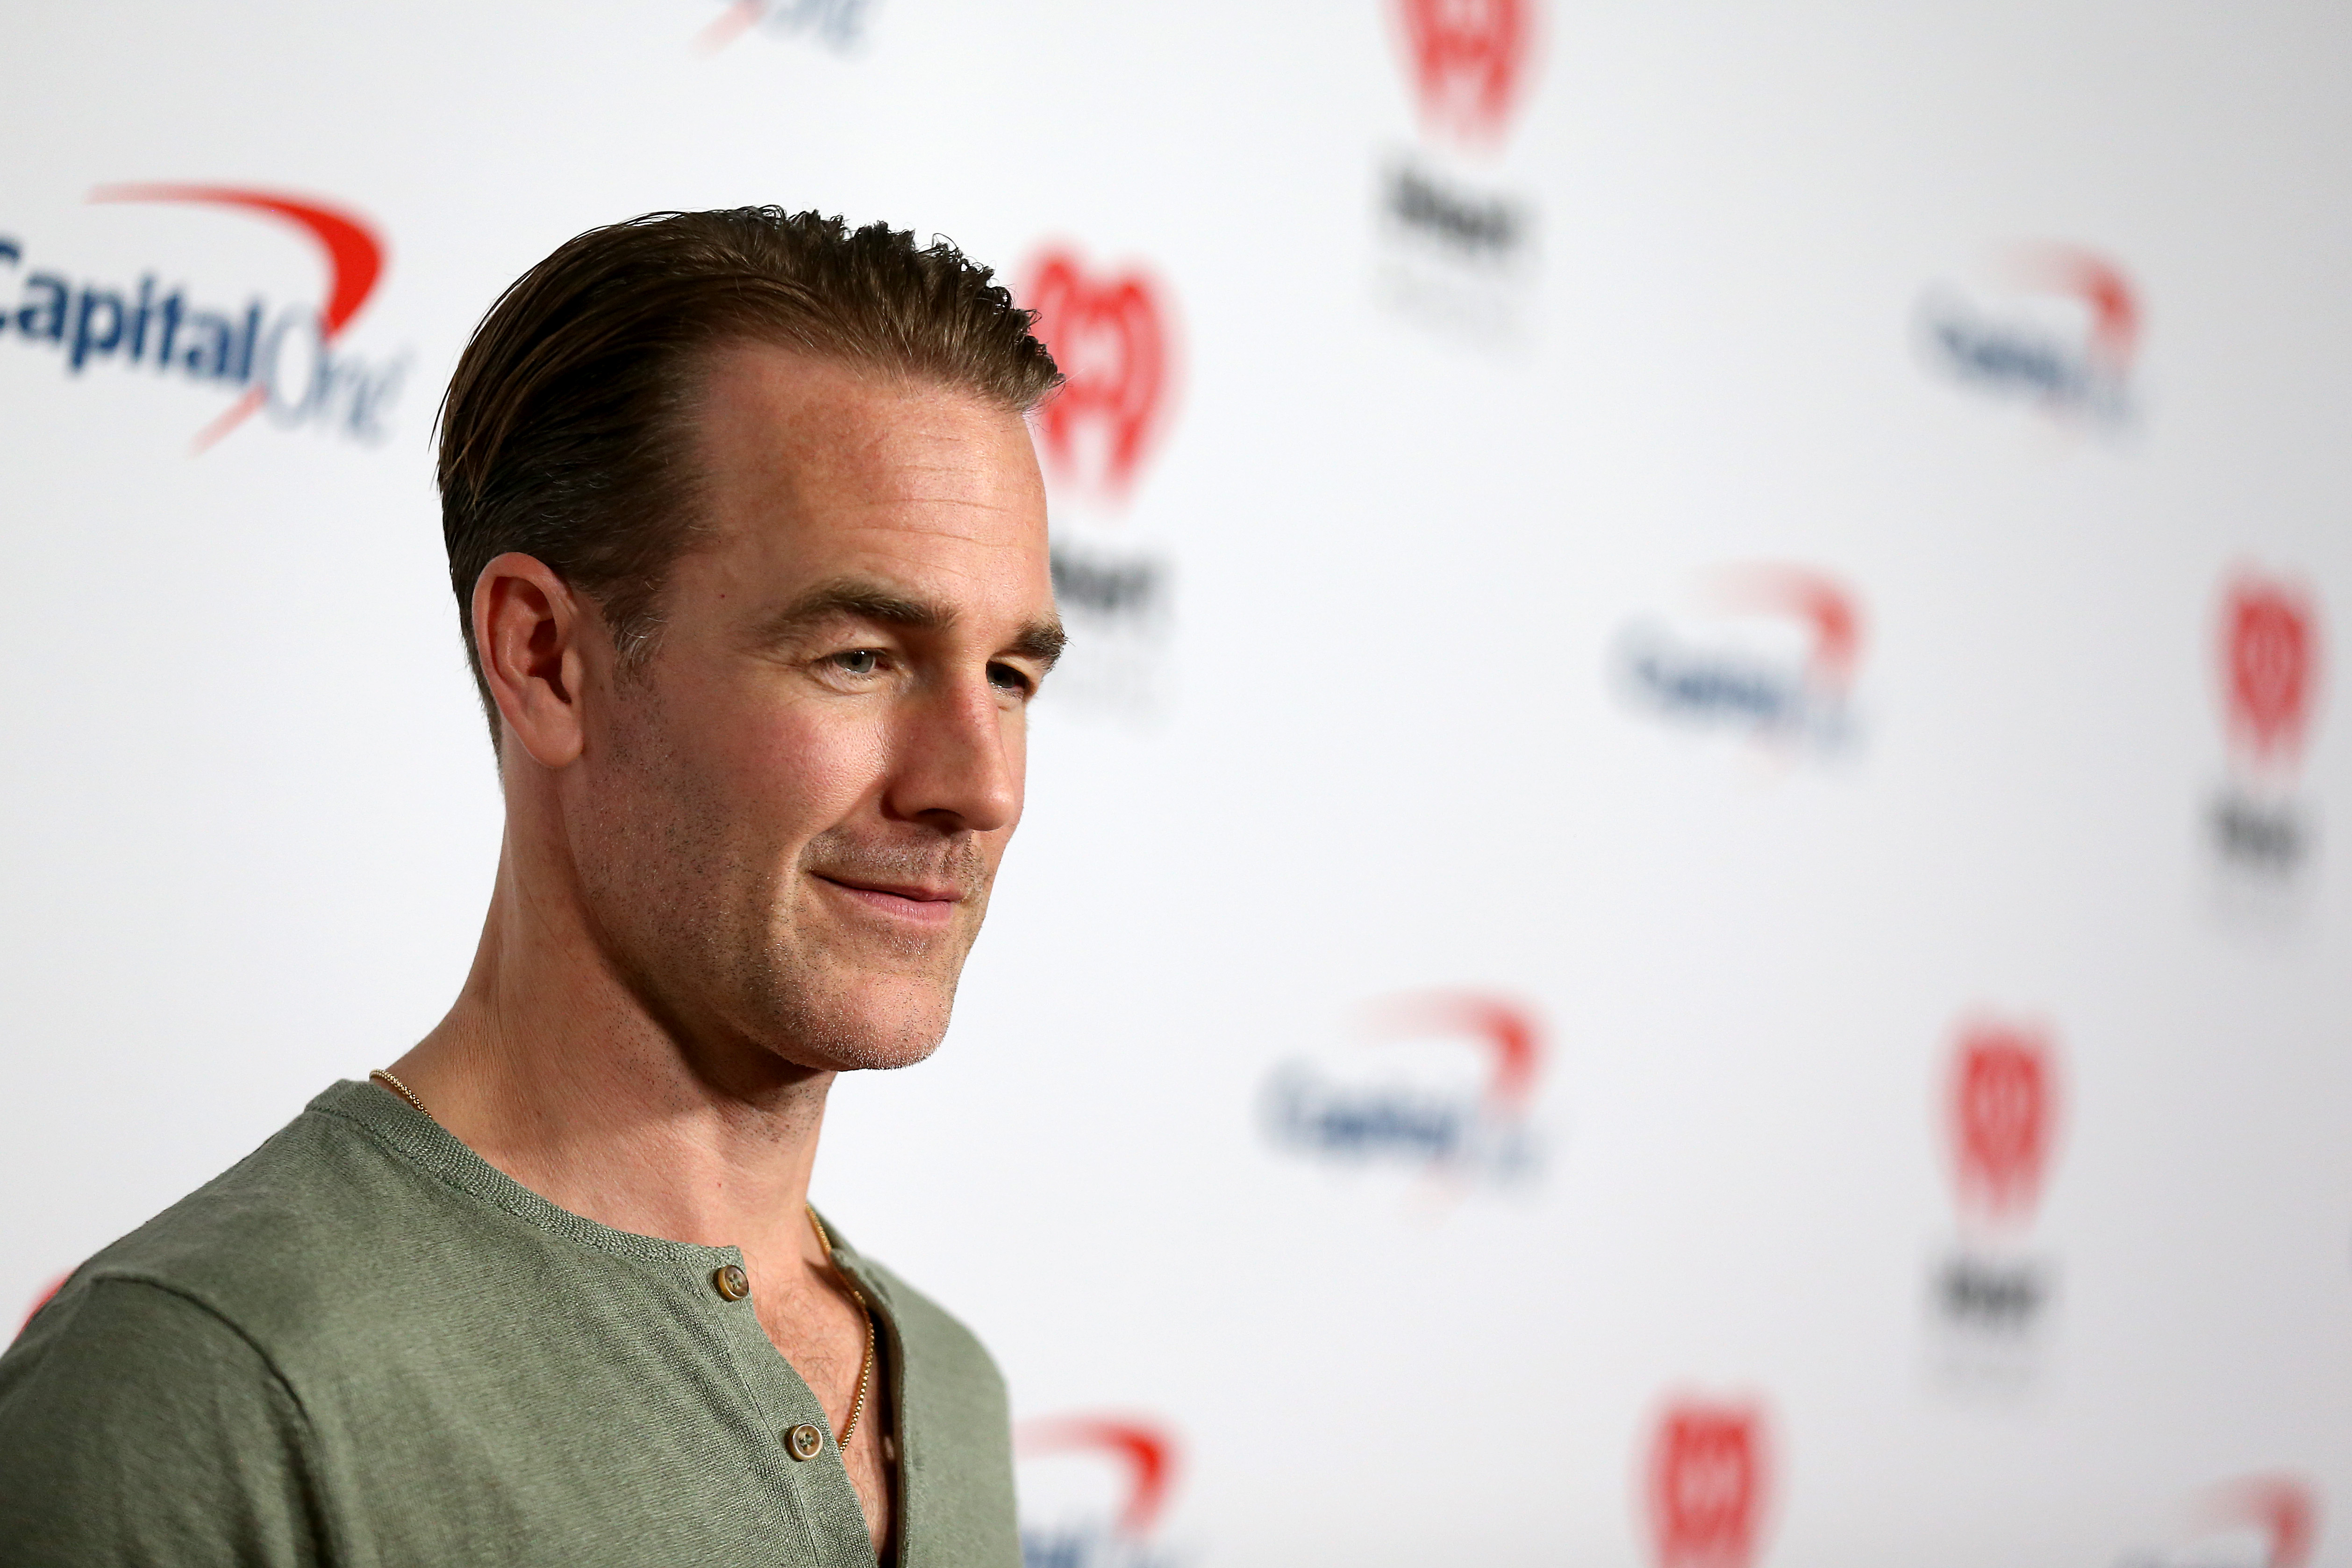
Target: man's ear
<point>528,627</point>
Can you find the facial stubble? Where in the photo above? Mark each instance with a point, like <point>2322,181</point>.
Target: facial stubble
<point>719,933</point>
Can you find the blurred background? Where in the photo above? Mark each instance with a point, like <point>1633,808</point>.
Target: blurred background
<point>1682,902</point>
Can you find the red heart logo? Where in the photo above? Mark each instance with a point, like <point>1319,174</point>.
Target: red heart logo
<point>1468,58</point>
<point>2284,1508</point>
<point>2004,1115</point>
<point>1111,337</point>
<point>1707,1481</point>
<point>2270,655</point>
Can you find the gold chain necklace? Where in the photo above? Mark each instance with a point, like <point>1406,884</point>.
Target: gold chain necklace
<point>865,1368</point>
<point>398,1088</point>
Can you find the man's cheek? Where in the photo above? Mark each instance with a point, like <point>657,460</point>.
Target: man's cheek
<point>808,765</point>
<point>833,770</point>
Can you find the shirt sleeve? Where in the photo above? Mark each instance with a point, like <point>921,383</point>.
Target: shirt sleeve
<point>138,1427</point>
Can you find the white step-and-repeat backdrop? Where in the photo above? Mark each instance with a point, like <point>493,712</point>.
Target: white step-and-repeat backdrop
<point>1684,904</point>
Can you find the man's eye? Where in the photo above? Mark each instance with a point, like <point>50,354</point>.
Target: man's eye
<point>1004,678</point>
<point>858,661</point>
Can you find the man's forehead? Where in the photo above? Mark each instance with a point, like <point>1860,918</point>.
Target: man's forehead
<point>792,415</point>
<point>811,469</point>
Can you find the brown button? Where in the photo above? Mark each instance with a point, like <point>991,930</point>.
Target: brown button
<point>804,1442</point>
<point>732,1282</point>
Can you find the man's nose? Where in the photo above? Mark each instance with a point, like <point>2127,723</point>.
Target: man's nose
<point>955,765</point>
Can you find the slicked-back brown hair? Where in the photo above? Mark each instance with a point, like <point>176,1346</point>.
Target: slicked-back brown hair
<point>565,432</point>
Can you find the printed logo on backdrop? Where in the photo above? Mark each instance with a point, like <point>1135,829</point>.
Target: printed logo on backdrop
<point>1112,331</point>
<point>1707,1483</point>
<point>1439,1086</point>
<point>2263,821</point>
<point>1455,248</point>
<point>2055,329</point>
<point>837,25</point>
<point>1094,1490</point>
<point>286,362</point>
<point>1469,61</point>
<point>1991,1290</point>
<point>1770,660</point>
<point>2258,1522</point>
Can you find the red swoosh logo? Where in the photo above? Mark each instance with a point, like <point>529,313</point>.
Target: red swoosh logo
<point>354,260</point>
<point>1148,1453</point>
<point>729,26</point>
<point>1504,1028</point>
<point>1822,602</point>
<point>2098,283</point>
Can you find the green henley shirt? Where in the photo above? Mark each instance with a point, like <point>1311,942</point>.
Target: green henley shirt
<point>363,1345</point>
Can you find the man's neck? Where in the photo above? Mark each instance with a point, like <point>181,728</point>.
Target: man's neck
<point>553,1071</point>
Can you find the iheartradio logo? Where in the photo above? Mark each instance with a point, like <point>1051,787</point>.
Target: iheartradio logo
<point>2270,667</point>
<point>2283,1511</point>
<point>1707,1484</point>
<point>1469,61</point>
<point>2002,1105</point>
<point>1113,337</point>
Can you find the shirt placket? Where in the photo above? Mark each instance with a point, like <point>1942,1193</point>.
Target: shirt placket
<point>794,1438</point>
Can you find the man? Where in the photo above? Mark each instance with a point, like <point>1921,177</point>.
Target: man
<point>748,543</point>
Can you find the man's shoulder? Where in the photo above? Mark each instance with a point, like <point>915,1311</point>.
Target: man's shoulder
<point>274,1243</point>
<point>157,1397</point>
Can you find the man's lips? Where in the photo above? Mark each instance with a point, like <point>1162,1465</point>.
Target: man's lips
<point>922,903</point>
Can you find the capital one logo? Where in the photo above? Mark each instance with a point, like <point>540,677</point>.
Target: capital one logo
<point>2269,668</point>
<point>285,362</point>
<point>1707,1484</point>
<point>1108,1514</point>
<point>1774,661</point>
<point>1111,333</point>
<point>1469,61</point>
<point>1464,1115</point>
<point>2060,329</point>
<point>839,25</point>
<point>2002,1105</point>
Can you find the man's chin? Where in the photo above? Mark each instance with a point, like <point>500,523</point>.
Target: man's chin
<point>869,1024</point>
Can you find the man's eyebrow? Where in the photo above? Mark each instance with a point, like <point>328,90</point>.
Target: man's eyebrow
<point>848,598</point>
<point>854,599</point>
<point>1041,640</point>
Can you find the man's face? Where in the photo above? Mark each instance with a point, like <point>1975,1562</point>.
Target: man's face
<point>788,825</point>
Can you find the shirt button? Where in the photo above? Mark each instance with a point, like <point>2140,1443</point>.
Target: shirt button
<point>732,1282</point>
<point>804,1442</point>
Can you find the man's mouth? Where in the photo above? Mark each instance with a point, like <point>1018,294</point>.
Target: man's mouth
<point>922,903</point>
